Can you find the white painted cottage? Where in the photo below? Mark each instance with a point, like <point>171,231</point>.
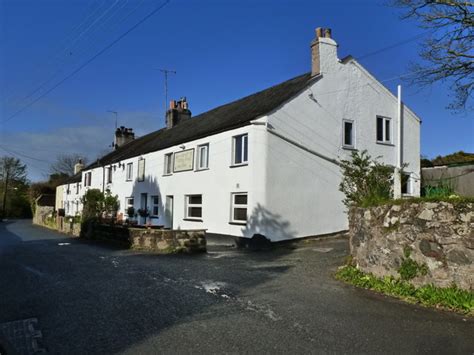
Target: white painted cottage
<point>267,163</point>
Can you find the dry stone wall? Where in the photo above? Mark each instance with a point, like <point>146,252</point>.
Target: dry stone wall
<point>439,235</point>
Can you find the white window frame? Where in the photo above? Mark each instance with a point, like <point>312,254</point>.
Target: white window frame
<point>87,178</point>
<point>109,175</point>
<point>199,165</point>
<point>188,205</point>
<point>244,149</point>
<point>168,164</point>
<point>141,177</point>
<point>153,205</point>
<point>233,205</point>
<point>384,130</point>
<point>353,134</point>
<point>129,172</point>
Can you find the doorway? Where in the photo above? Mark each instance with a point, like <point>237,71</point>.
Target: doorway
<point>143,206</point>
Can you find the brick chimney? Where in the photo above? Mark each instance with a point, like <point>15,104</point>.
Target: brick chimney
<point>123,136</point>
<point>78,166</point>
<point>177,112</point>
<point>323,52</point>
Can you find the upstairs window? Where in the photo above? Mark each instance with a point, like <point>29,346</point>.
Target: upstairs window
<point>384,129</point>
<point>155,201</point>
<point>168,164</point>
<point>203,157</point>
<point>78,187</point>
<point>129,173</point>
<point>87,178</point>
<point>348,134</point>
<point>240,150</point>
<point>193,207</point>
<point>239,207</point>
<point>141,169</point>
<point>109,175</point>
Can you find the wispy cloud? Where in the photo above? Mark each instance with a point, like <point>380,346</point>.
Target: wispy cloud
<point>39,149</point>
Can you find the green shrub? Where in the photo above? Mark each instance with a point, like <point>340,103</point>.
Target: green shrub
<point>452,297</point>
<point>365,181</point>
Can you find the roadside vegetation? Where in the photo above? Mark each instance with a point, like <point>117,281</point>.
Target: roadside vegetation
<point>366,182</point>
<point>450,298</point>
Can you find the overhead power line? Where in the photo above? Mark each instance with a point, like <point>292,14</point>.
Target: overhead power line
<point>401,43</point>
<point>102,51</point>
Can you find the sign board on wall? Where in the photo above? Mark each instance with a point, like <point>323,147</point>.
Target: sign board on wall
<point>184,160</point>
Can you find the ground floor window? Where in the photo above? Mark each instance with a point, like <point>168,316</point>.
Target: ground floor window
<point>193,207</point>
<point>129,209</point>
<point>155,200</point>
<point>406,184</point>
<point>239,207</point>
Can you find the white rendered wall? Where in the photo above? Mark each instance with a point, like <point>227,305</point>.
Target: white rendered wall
<point>214,184</point>
<point>302,189</point>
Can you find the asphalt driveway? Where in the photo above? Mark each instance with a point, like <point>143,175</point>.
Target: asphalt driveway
<point>68,296</point>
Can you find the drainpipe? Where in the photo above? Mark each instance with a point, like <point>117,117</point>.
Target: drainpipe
<point>397,188</point>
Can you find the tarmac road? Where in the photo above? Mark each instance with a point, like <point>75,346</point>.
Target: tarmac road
<point>68,296</point>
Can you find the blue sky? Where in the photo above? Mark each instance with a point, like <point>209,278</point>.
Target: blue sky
<point>221,50</point>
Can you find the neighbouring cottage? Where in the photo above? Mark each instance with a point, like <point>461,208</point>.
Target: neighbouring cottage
<point>265,164</point>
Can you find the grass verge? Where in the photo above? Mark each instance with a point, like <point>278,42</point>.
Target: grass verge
<point>451,298</point>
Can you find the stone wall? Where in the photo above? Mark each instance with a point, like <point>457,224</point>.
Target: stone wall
<point>43,215</point>
<point>161,241</point>
<point>439,235</point>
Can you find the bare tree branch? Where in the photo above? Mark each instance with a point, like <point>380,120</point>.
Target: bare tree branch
<point>450,47</point>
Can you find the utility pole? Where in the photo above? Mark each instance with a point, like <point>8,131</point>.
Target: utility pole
<point>166,72</point>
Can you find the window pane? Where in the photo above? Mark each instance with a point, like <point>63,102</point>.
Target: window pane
<point>240,199</point>
<point>155,200</point>
<point>387,130</point>
<point>195,199</point>
<point>194,212</point>
<point>245,139</point>
<point>240,214</point>
<point>238,150</point>
<point>348,133</point>
<point>379,128</point>
<point>155,211</point>
<point>141,170</point>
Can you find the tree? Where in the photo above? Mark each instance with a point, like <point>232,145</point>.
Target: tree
<point>448,50</point>
<point>64,164</point>
<point>12,177</point>
<point>454,158</point>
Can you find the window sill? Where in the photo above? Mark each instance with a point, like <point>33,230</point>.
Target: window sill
<point>238,223</point>
<point>238,165</point>
<point>128,180</point>
<point>167,175</point>
<point>385,143</point>
<point>203,169</point>
<point>192,219</point>
<point>346,147</point>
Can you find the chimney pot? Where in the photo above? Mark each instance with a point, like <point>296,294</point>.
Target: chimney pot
<point>319,32</point>
<point>328,33</point>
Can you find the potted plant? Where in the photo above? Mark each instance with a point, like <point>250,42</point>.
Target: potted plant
<point>143,212</point>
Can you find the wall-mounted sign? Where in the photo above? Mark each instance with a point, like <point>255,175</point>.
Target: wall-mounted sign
<point>184,160</point>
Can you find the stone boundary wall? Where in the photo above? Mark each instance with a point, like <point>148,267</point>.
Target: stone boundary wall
<point>161,241</point>
<point>44,217</point>
<point>439,235</point>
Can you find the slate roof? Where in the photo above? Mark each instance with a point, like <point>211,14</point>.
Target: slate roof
<point>236,114</point>
<point>46,200</point>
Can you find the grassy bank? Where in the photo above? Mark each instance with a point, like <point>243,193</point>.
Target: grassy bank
<point>451,298</point>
